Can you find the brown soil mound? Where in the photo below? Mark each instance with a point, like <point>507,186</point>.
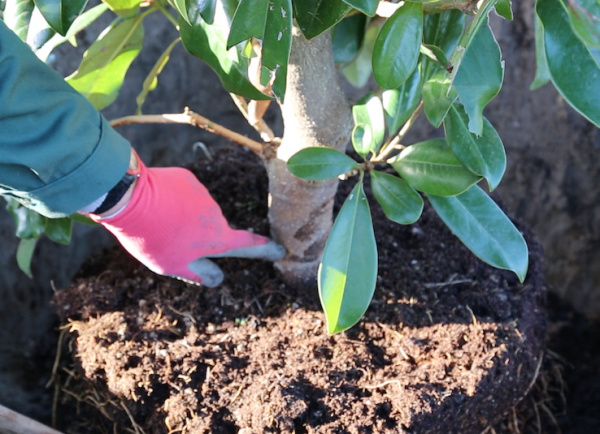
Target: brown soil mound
<point>447,345</point>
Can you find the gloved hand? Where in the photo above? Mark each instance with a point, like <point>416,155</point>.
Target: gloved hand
<point>172,225</point>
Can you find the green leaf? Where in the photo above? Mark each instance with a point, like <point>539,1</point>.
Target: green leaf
<point>25,254</point>
<point>181,6</point>
<point>397,46</point>
<point>80,218</point>
<point>399,103</point>
<point>348,271</point>
<point>480,76</point>
<point>504,9</point>
<point>208,42</point>
<point>436,54</point>
<point>80,23</point>
<point>207,10</point>
<point>151,80</point>
<point>2,5</point>
<point>60,14</point>
<point>17,17</point>
<point>320,163</point>
<point>483,155</point>
<point>124,8</point>
<point>362,139</point>
<point>358,72</point>
<point>399,201</point>
<point>28,223</point>
<point>59,230</point>
<point>444,30</point>
<point>573,68</point>
<point>585,21</point>
<point>482,226</point>
<point>347,37</point>
<point>432,168</point>
<point>369,111</point>
<point>102,71</point>
<point>249,21</point>
<point>277,44</point>
<point>316,16</point>
<point>542,74</point>
<point>438,96</point>
<point>368,7</point>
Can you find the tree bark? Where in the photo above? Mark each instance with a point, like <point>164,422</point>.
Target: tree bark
<point>315,113</point>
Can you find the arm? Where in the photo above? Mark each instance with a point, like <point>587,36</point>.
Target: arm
<point>58,155</point>
<point>57,152</point>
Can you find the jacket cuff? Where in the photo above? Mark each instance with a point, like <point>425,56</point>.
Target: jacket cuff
<point>95,176</point>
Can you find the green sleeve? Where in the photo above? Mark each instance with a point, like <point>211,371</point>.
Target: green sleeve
<point>57,152</point>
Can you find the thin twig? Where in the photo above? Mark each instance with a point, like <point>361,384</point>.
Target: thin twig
<point>261,127</point>
<point>395,143</point>
<point>191,118</point>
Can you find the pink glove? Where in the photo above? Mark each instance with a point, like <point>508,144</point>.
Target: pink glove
<point>171,224</point>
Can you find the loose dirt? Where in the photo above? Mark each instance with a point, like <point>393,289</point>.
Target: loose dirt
<point>448,344</point>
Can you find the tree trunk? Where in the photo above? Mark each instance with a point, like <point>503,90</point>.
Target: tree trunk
<point>315,113</point>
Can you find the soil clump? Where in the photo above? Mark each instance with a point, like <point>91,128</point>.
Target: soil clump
<point>448,344</point>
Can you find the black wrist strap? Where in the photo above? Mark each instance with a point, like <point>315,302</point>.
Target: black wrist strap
<point>115,194</point>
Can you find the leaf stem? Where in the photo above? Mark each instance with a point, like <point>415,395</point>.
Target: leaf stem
<point>191,118</point>
<point>394,144</point>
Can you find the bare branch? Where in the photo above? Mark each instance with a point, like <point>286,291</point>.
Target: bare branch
<point>191,118</point>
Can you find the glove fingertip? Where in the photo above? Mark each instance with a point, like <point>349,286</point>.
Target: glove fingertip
<point>207,272</point>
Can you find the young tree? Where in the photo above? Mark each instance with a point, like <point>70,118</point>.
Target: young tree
<point>436,57</point>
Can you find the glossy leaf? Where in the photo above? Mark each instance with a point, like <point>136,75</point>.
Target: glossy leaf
<point>483,155</point>
<point>480,76</point>
<point>320,163</point>
<point>102,71</point>
<point>399,103</point>
<point>347,37</point>
<point>397,46</point>
<point>151,80</point>
<point>316,16</point>
<point>432,168</point>
<point>399,201</point>
<point>542,74</point>
<point>572,66</point>
<point>358,72</point>
<point>348,272</point>
<point>60,14</point>
<point>367,7</point>
<point>504,9</point>
<point>124,8</point>
<point>444,30</point>
<point>181,6</point>
<point>81,22</point>
<point>362,139</point>
<point>59,230</point>
<point>436,54</point>
<point>369,111</point>
<point>25,254</point>
<point>277,44</point>
<point>249,21</point>
<point>585,21</point>
<point>438,96</point>
<point>28,223</point>
<point>207,10</point>
<point>208,42</point>
<point>482,226</point>
<point>17,17</point>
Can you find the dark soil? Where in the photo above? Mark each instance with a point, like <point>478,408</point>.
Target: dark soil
<point>448,344</point>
